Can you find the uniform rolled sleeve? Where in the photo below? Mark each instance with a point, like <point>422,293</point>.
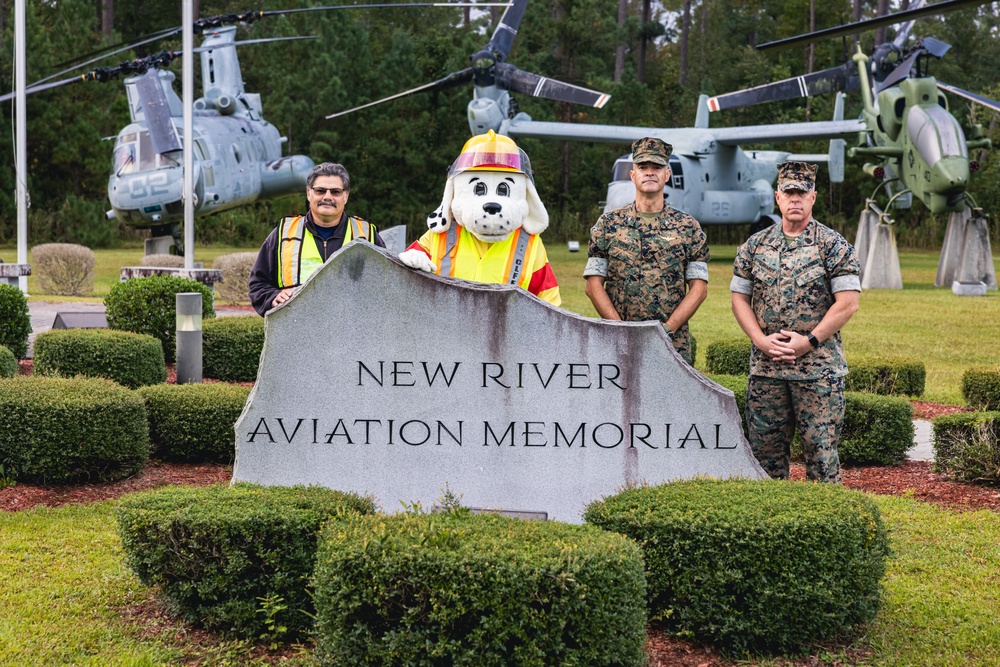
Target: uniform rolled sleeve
<point>697,271</point>
<point>596,266</point>
<point>848,283</point>
<point>741,286</point>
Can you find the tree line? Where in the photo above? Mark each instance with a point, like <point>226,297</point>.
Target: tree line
<point>654,60</point>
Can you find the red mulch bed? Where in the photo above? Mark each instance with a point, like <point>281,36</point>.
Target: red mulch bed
<point>913,478</point>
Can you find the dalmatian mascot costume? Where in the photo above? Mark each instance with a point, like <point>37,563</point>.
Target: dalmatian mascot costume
<point>488,225</point>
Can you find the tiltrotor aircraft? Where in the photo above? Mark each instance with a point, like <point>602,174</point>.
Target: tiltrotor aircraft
<point>916,145</point>
<point>713,178</point>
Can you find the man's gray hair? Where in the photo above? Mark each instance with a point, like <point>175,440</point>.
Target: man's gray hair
<point>329,169</point>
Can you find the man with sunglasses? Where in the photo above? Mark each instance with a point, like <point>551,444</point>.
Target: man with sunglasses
<point>300,244</point>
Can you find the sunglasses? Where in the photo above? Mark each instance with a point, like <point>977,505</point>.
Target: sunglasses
<point>336,192</point>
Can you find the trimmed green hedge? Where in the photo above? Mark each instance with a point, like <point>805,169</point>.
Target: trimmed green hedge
<point>981,387</point>
<point>56,430</point>
<point>233,559</point>
<point>130,359</point>
<point>878,430</point>
<point>967,446</point>
<point>231,347</point>
<point>754,565</point>
<point>891,376</point>
<point>728,357</point>
<point>463,589</point>
<point>15,320</point>
<point>149,306</point>
<point>194,422</point>
<point>8,363</point>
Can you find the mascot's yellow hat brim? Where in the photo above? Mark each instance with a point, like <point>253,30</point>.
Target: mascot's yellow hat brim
<point>491,152</point>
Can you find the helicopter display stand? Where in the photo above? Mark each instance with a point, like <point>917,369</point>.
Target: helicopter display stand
<point>966,256</point>
<point>9,273</point>
<point>878,256</point>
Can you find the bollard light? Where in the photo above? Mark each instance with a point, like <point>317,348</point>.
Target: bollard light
<point>188,337</point>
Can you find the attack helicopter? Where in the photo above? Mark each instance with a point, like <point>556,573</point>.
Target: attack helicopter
<point>237,153</point>
<point>918,146</point>
<point>713,179</point>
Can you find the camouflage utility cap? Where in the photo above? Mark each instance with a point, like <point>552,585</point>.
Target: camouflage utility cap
<point>652,150</point>
<point>797,176</point>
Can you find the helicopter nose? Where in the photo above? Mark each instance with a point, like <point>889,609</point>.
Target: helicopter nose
<point>950,175</point>
<point>492,207</point>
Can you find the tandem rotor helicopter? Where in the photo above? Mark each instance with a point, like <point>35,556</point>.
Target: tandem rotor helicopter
<point>238,154</point>
<point>713,179</point>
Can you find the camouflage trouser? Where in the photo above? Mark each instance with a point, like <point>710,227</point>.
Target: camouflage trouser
<point>682,342</point>
<point>776,407</point>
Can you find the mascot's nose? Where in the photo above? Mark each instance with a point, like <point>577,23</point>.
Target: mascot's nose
<point>492,207</point>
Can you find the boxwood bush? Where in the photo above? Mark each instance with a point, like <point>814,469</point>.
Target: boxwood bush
<point>967,446</point>
<point>754,565</point>
<point>149,306</point>
<point>233,559</point>
<point>463,589</point>
<point>981,387</point>
<point>15,320</point>
<point>8,363</point>
<point>231,347</point>
<point>891,376</point>
<point>878,430</point>
<point>728,357</point>
<point>194,422</point>
<point>128,358</point>
<point>56,430</point>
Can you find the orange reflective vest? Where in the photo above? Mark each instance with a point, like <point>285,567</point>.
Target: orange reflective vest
<point>298,251</point>
<point>508,262</point>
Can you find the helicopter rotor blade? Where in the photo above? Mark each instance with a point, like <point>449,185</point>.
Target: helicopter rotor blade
<point>383,5</point>
<point>972,97</point>
<point>503,37</point>
<point>245,42</point>
<point>935,47</point>
<point>519,81</point>
<point>156,110</point>
<point>817,83</point>
<point>44,86</point>
<point>901,72</point>
<point>869,24</point>
<point>454,79</point>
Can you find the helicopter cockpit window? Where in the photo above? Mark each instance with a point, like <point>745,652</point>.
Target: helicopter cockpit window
<point>124,161</point>
<point>936,133</point>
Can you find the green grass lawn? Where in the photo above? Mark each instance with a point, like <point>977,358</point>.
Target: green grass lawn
<point>948,333</point>
<point>63,586</point>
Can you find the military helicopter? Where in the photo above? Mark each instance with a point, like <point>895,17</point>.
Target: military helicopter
<point>713,179</point>
<point>919,147</point>
<point>238,156</point>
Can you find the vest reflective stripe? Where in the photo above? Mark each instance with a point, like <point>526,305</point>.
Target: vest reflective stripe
<point>298,250</point>
<point>505,263</point>
<point>290,250</point>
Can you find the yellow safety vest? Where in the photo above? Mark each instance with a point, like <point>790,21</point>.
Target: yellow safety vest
<point>298,252</point>
<point>508,262</point>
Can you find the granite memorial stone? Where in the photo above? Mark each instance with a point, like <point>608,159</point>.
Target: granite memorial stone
<point>382,380</point>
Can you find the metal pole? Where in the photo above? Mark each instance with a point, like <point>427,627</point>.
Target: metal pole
<point>187,88</point>
<point>188,337</point>
<point>21,139</point>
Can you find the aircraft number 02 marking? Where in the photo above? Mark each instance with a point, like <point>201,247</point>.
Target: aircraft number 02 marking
<point>721,209</point>
<point>148,186</point>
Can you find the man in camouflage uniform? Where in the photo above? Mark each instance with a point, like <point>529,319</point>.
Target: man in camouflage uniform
<point>647,260</point>
<point>795,285</point>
